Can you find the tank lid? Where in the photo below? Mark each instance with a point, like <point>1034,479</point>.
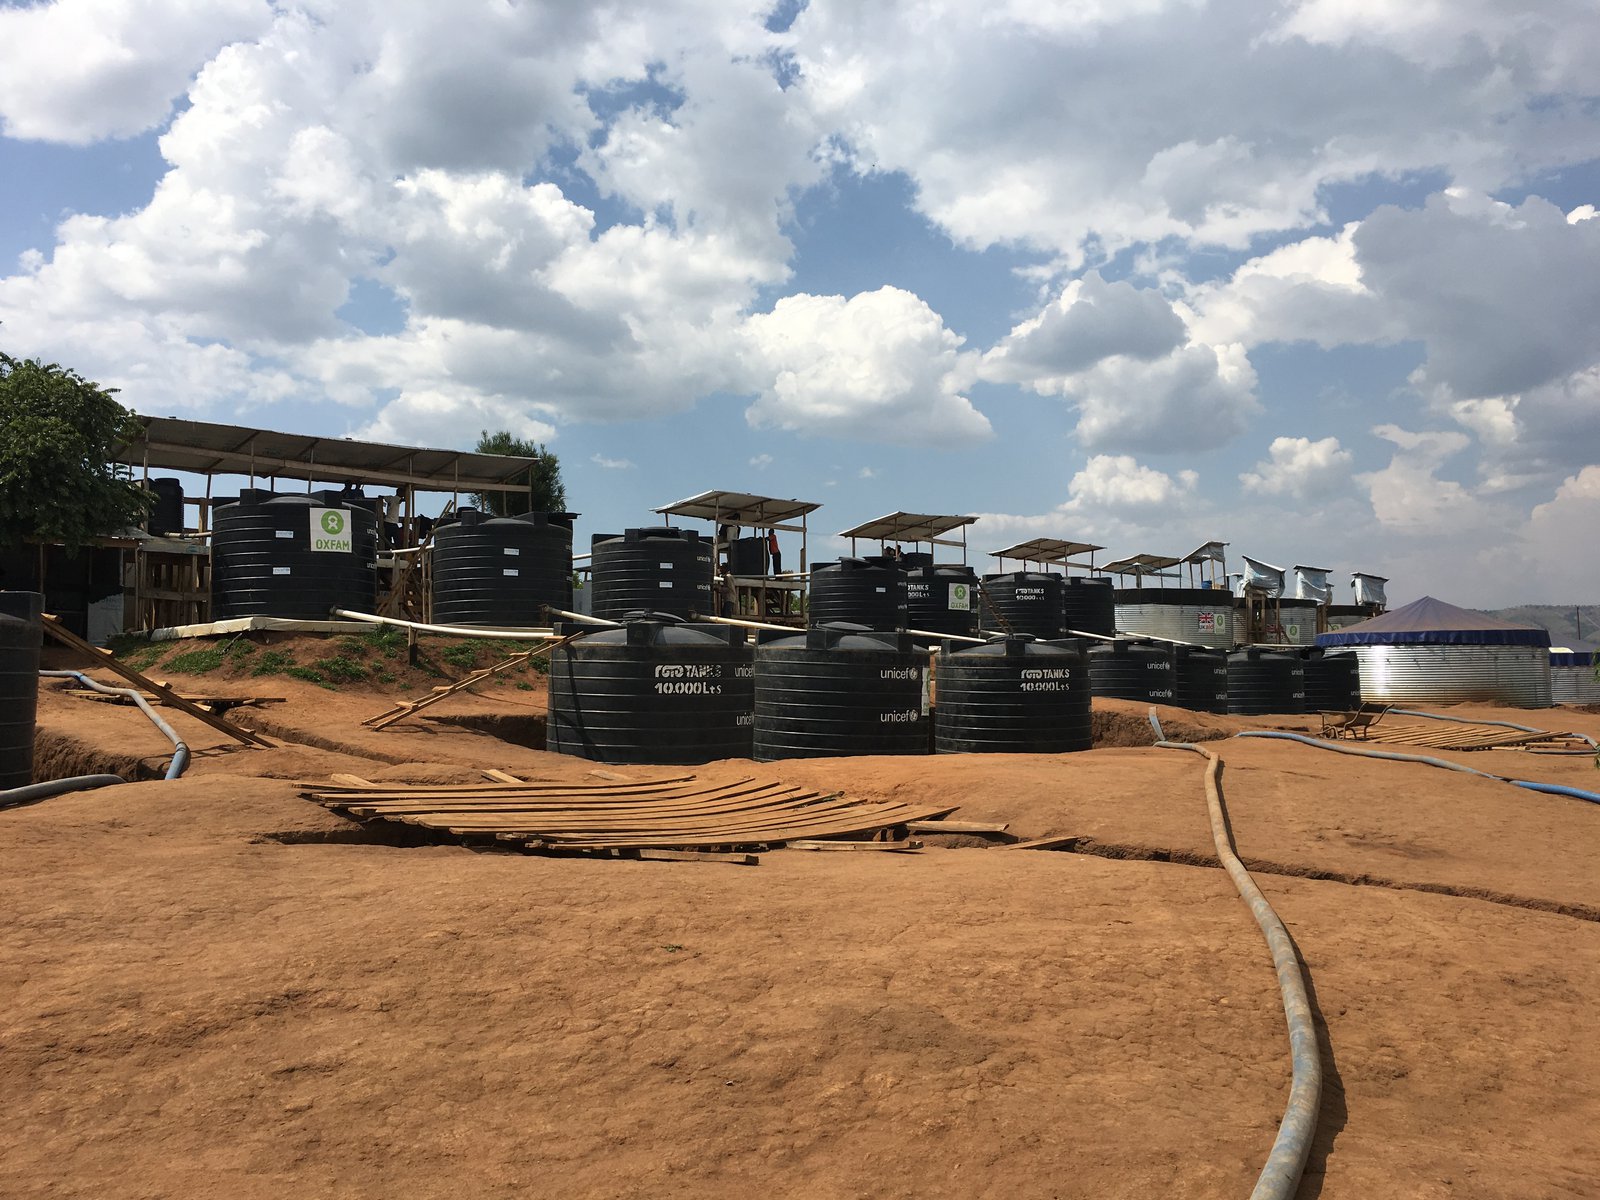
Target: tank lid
<point>848,563</point>
<point>1024,576</point>
<point>23,606</point>
<point>653,629</point>
<point>845,635</point>
<point>1021,645</point>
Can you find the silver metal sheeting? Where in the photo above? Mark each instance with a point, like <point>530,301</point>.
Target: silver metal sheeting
<point>1518,676</point>
<point>1200,624</point>
<point>1574,685</point>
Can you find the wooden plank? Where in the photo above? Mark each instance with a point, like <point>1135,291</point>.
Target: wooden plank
<point>1046,843</point>
<point>896,847</point>
<point>502,777</point>
<point>740,860</point>
<point>958,827</point>
<point>408,708</point>
<point>109,661</point>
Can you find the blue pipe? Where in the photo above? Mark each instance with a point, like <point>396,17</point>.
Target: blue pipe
<point>180,752</point>
<point>1280,1177</point>
<point>1324,744</point>
<point>1416,712</point>
<point>29,793</point>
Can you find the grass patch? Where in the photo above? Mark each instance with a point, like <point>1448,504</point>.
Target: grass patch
<point>198,662</point>
<point>463,655</point>
<point>339,668</point>
<point>272,662</point>
<point>309,674</point>
<point>384,642</point>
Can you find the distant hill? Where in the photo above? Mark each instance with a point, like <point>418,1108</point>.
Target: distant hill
<point>1560,620</point>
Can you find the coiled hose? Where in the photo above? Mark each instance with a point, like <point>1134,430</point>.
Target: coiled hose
<point>1280,1177</point>
<point>1533,785</point>
<point>180,752</point>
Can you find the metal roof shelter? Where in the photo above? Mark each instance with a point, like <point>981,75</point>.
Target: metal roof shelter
<point>1048,551</point>
<point>914,528</point>
<point>1144,566</point>
<point>741,508</point>
<point>1207,552</point>
<point>207,448</point>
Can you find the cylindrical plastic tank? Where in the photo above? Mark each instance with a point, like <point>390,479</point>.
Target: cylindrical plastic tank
<point>870,592</point>
<point>500,572</point>
<point>1088,605</point>
<point>166,515</point>
<point>1023,602</point>
<point>1261,681</point>
<point>20,635</point>
<point>294,557</point>
<point>1013,695</point>
<point>839,689</point>
<point>1201,680</point>
<point>662,570</point>
<point>1332,681</point>
<point>1203,616</point>
<point>655,690</point>
<point>1132,671</point>
<point>942,599</point>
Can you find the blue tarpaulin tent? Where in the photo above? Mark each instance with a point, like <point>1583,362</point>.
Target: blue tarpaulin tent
<point>1430,622</point>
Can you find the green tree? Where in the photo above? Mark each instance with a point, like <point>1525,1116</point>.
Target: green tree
<point>544,490</point>
<point>57,434</point>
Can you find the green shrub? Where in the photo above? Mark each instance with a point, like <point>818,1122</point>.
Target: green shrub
<point>197,662</point>
<point>340,669</point>
<point>309,674</point>
<point>272,662</point>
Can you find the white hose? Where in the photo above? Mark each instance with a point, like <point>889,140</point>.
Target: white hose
<point>506,635</point>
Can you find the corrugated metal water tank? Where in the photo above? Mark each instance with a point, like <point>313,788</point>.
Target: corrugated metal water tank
<point>294,557</point>
<point>1013,695</point>
<point>942,599</point>
<point>1088,605</point>
<point>870,592</point>
<point>1572,677</point>
<point>1201,616</point>
<point>20,634</point>
<point>1132,671</point>
<point>661,569</point>
<point>1431,652</point>
<point>1027,602</point>
<point>1298,619</point>
<point>839,689</point>
<point>655,690</point>
<point>500,572</point>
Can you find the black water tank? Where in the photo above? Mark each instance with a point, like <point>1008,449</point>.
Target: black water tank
<point>1201,678</point>
<point>1260,681</point>
<point>839,689</point>
<point>656,690</point>
<point>1023,602</point>
<point>1013,695</point>
<point>1333,681</point>
<point>20,635</point>
<point>1132,671</point>
<point>662,570</point>
<point>500,572</point>
<point>294,557</point>
<point>1089,605</point>
<point>166,516</point>
<point>870,592</point>
<point>747,557</point>
<point>942,599</point>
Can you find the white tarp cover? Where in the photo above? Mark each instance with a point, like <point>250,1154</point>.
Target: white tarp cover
<point>1369,589</point>
<point>1311,583</point>
<point>1236,585</point>
<point>1264,576</point>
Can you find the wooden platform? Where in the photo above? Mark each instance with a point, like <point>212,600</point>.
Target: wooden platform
<point>1453,735</point>
<point>672,813</point>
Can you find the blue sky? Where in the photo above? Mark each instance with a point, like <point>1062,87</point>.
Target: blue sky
<point>1318,280</point>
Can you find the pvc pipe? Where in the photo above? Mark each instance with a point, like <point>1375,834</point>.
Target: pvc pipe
<point>572,616</point>
<point>743,624</point>
<point>180,752</point>
<point>1554,789</point>
<point>947,637</point>
<point>1413,712</point>
<point>1280,1177</point>
<point>531,633</point>
<point>29,793</point>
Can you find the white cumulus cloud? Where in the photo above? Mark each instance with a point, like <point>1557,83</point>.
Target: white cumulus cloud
<point>1300,467</point>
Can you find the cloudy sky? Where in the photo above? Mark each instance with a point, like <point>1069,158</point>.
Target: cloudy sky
<point>1320,278</point>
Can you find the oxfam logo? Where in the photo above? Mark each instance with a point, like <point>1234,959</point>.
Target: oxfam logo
<point>961,591</point>
<point>332,523</point>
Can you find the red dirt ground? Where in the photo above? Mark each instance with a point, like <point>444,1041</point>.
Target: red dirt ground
<point>217,988</point>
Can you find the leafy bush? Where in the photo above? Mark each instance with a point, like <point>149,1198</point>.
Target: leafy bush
<point>340,669</point>
<point>197,662</point>
<point>272,662</point>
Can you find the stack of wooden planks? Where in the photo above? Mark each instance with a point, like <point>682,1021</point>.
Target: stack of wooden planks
<point>1459,735</point>
<point>679,813</point>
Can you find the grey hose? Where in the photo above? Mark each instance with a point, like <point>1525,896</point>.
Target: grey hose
<point>1280,1177</point>
<point>28,793</point>
<point>1532,785</point>
<point>180,752</point>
